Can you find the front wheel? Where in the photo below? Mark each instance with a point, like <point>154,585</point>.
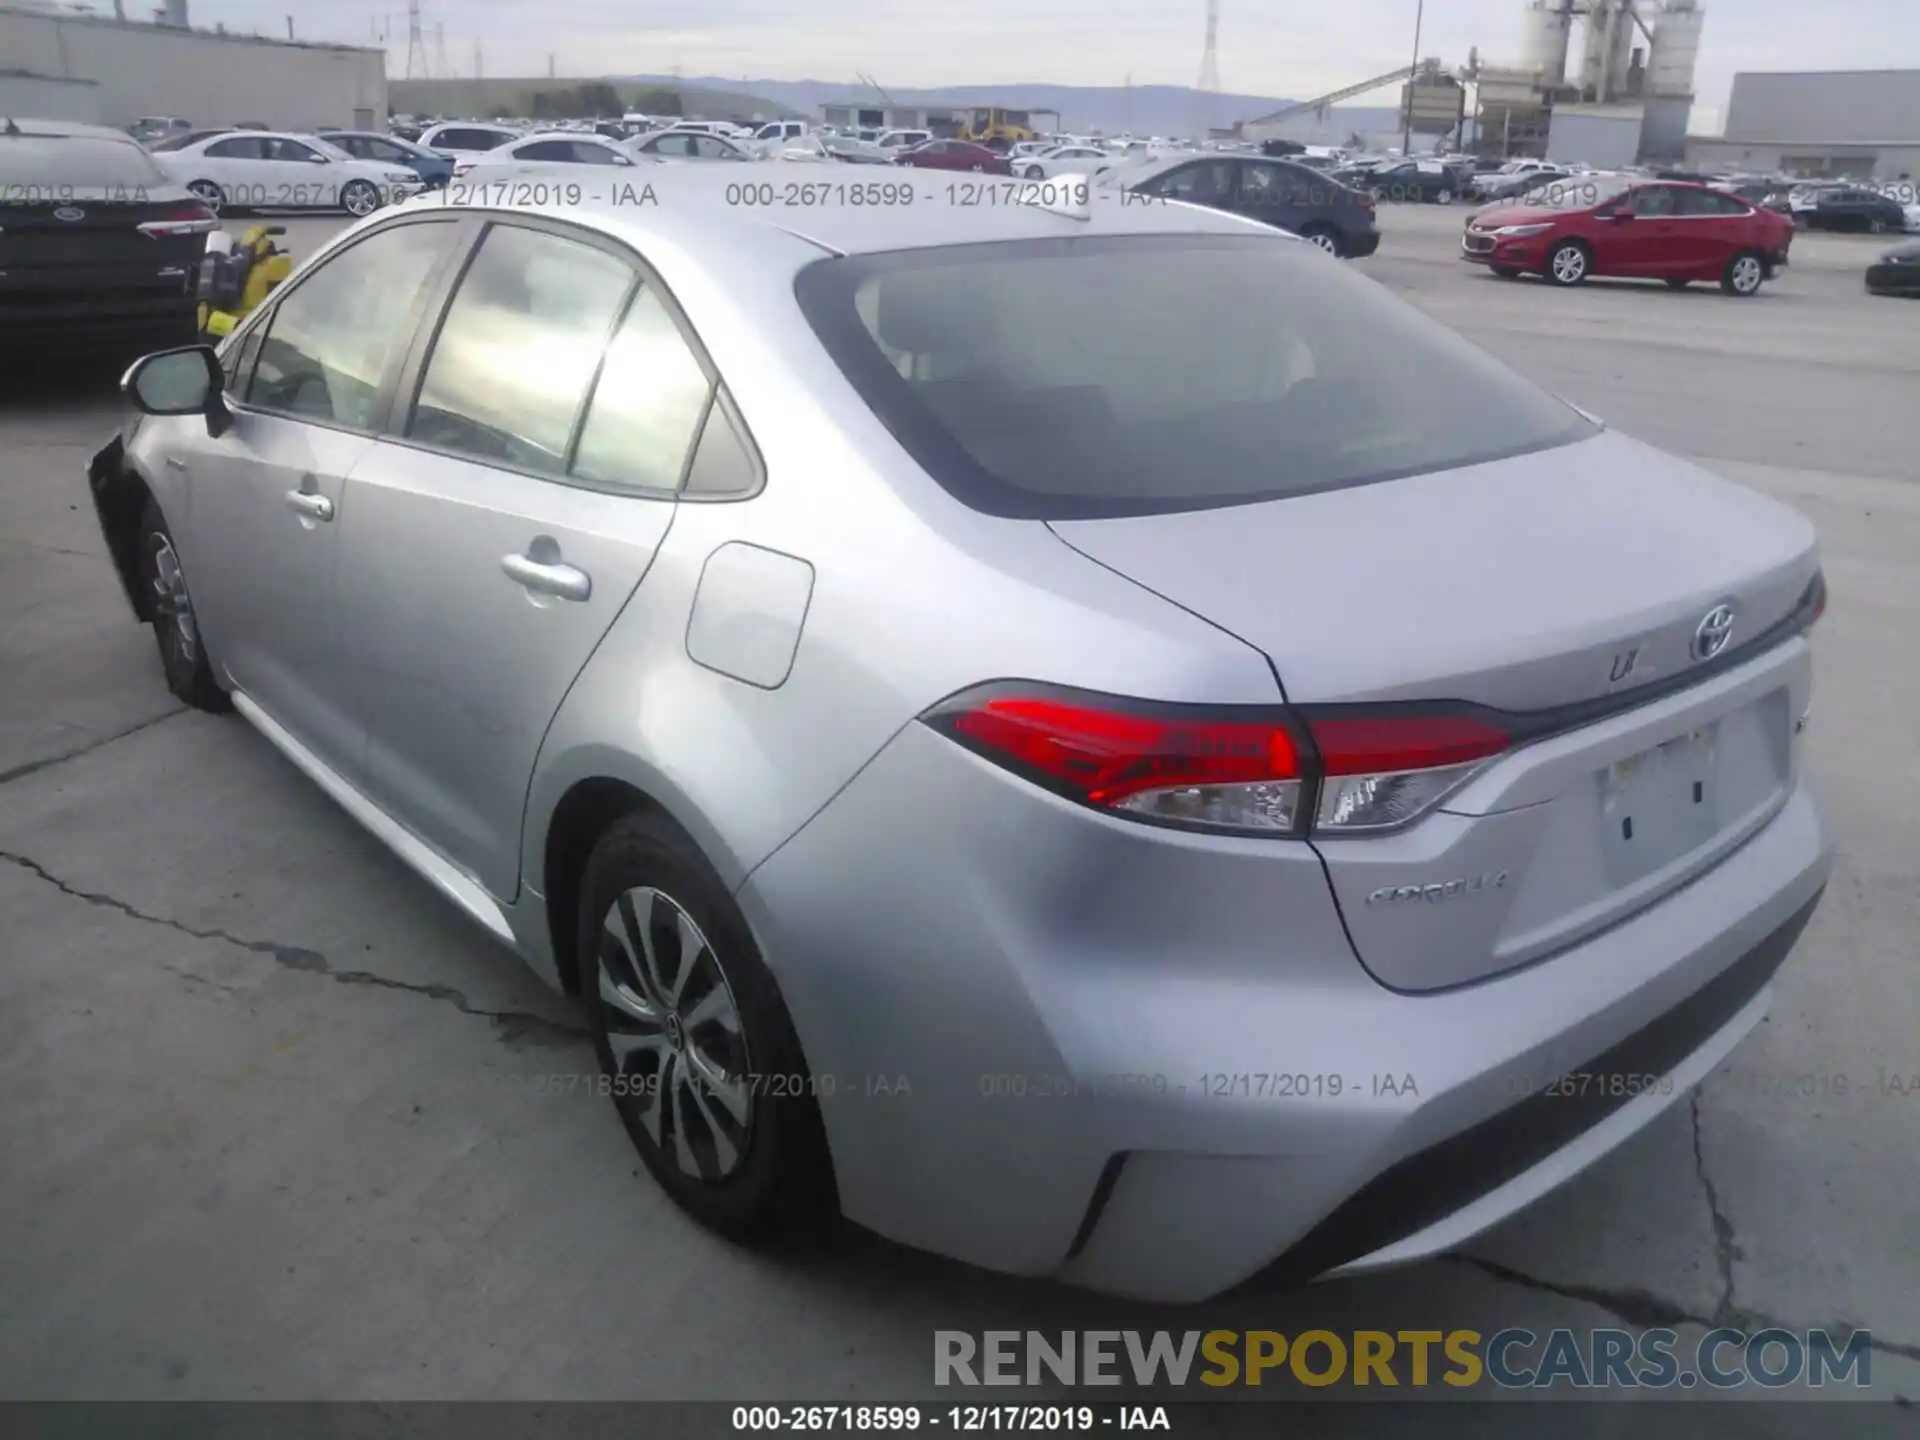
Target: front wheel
<point>1744,273</point>
<point>359,198</point>
<point>1034,172</point>
<point>695,1044</point>
<point>1569,264</point>
<point>176,628</point>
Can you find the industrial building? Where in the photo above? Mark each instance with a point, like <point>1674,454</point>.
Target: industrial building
<point>1855,123</point>
<point>59,64</point>
<point>1630,99</point>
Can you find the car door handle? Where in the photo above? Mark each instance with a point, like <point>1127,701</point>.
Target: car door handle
<point>313,506</point>
<point>568,582</point>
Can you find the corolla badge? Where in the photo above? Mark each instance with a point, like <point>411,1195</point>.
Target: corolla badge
<point>1434,894</point>
<point>1713,632</point>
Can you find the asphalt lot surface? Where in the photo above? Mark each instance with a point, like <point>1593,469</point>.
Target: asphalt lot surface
<point>271,1123</point>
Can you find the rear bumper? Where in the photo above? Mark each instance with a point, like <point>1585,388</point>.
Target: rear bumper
<point>63,322</point>
<point>1894,279</point>
<point>1148,1062</point>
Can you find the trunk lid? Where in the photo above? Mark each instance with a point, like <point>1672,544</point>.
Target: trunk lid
<point>87,242</point>
<point>1561,580</point>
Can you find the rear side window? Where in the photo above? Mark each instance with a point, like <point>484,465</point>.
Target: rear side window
<point>237,147</point>
<point>30,164</point>
<point>1709,202</point>
<point>560,151</point>
<point>514,358</point>
<point>647,405</point>
<point>332,340</point>
<point>1240,369</point>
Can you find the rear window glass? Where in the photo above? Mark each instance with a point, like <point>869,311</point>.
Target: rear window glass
<point>58,162</point>
<point>1080,378</point>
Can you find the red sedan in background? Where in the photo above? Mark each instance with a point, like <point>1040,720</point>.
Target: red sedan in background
<point>1635,229</point>
<point>955,155</point>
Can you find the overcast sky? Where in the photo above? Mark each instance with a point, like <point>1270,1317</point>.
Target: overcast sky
<point>1292,49</point>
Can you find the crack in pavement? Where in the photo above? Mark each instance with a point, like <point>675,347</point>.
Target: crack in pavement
<point>34,767</point>
<point>1726,1249</point>
<point>1645,1310</point>
<point>514,1028</point>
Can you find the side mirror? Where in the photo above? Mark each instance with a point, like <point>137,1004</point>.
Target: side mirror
<point>186,381</point>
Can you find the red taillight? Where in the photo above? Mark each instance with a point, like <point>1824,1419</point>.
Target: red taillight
<point>1268,771</point>
<point>1379,744</point>
<point>194,219</point>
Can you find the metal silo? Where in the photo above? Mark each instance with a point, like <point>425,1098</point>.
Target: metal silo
<point>1549,32</point>
<point>1676,48</point>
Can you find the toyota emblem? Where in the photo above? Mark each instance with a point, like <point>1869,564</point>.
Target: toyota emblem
<point>69,213</point>
<point>1713,632</point>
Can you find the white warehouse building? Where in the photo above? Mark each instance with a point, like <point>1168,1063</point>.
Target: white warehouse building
<point>56,64</point>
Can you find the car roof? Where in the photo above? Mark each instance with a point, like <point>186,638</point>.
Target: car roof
<point>30,128</point>
<point>690,212</point>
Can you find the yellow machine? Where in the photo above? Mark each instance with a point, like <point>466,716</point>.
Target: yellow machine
<point>235,279</point>
<point>995,127</point>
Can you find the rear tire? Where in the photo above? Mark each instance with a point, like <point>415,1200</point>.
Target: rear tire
<point>1569,263</point>
<point>756,1170</point>
<point>1743,274</point>
<point>176,629</point>
<point>1324,237</point>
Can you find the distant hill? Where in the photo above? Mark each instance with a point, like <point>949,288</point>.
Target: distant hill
<point>1109,109</point>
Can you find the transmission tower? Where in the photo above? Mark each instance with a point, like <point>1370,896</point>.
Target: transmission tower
<point>476,60</point>
<point>440,49</point>
<point>416,47</point>
<point>1209,72</point>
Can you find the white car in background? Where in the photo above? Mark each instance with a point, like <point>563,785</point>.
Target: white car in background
<point>455,139</point>
<point>674,144</point>
<point>276,170</point>
<point>542,151</point>
<point>1063,160</point>
<point>899,140</point>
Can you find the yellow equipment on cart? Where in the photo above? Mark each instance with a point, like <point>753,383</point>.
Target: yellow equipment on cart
<point>237,275</point>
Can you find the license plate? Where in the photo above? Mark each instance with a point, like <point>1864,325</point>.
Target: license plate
<point>1658,805</point>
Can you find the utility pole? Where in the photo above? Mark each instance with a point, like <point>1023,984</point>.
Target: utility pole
<point>290,27</point>
<point>1209,71</point>
<point>476,60</point>
<point>1413,80</point>
<point>550,66</point>
<point>416,47</point>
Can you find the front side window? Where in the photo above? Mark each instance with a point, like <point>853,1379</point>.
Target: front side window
<point>1241,368</point>
<point>518,349</point>
<point>585,152</point>
<point>672,145</point>
<point>647,405</point>
<point>291,150</point>
<point>1653,201</point>
<point>560,151</point>
<point>333,339</point>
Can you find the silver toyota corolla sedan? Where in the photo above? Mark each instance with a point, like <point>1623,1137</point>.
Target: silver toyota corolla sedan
<point>1096,742</point>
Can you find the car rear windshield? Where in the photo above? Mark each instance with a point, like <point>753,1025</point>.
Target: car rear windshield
<point>1129,375</point>
<point>57,163</point>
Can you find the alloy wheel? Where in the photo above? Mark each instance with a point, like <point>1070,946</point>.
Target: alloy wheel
<point>360,199</point>
<point>1324,241</point>
<point>208,193</point>
<point>1569,264</point>
<point>172,605</point>
<point>674,1028</point>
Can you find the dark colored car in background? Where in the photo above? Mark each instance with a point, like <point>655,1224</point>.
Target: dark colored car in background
<point>1650,230</point>
<point>955,155</point>
<point>1416,181</point>
<point>1524,185</point>
<point>1897,272</point>
<point>1849,208</point>
<point>433,170</point>
<point>99,251</point>
<point>1289,196</point>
